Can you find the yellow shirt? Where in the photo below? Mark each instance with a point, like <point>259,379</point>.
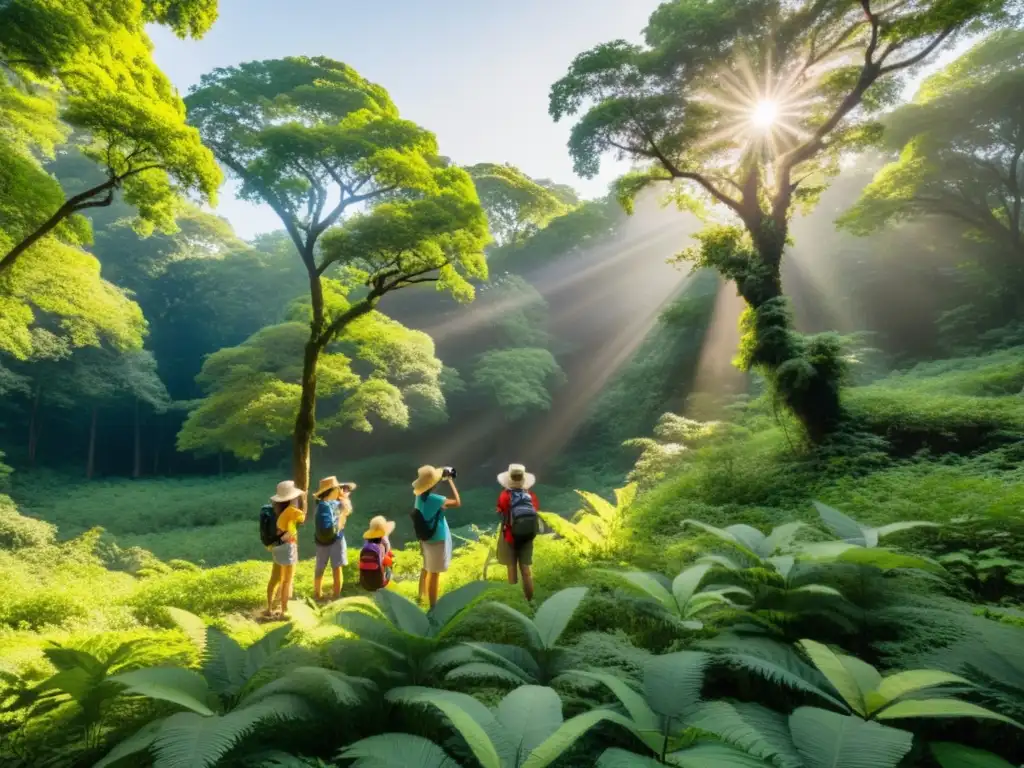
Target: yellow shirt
<point>289,521</point>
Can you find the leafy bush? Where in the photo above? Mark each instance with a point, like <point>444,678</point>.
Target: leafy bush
<point>18,531</point>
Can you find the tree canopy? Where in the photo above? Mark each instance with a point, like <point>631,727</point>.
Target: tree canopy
<point>960,144</point>
<point>754,123</point>
<point>89,67</point>
<point>516,205</point>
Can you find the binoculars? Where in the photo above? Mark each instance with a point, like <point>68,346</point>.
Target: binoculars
<point>448,473</point>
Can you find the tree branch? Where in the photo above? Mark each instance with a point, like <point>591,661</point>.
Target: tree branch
<point>921,55</point>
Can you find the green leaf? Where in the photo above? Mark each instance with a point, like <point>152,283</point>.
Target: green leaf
<point>828,740</point>
<point>620,758</point>
<point>454,602</point>
<point>403,613</point>
<point>864,675</point>
<point>555,614</point>
<point>452,706</point>
<point>751,538</point>
<point>714,756</point>
<point>533,637</point>
<point>887,560</point>
<point>902,683</point>
<point>650,584</point>
<point>672,683</point>
<point>790,677</point>
<point>643,716</point>
<point>846,528</point>
<point>891,528</point>
<point>568,734</point>
<point>396,750</point>
<point>951,755</point>
<point>686,583</point>
<point>324,686</point>
<point>188,740</point>
<point>178,686</point>
<point>940,708</point>
<point>782,537</point>
<point>224,663</point>
<point>721,561</point>
<point>476,671</point>
<point>818,589</point>
<point>511,657</point>
<point>529,715</point>
<point>833,668</point>
<point>139,741</point>
<point>193,626</point>
<point>756,730</point>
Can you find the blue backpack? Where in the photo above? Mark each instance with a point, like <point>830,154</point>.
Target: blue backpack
<point>326,524</point>
<point>522,516</point>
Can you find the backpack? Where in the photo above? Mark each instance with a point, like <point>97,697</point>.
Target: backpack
<point>424,530</point>
<point>325,524</point>
<point>522,516</point>
<point>371,566</point>
<point>269,534</point>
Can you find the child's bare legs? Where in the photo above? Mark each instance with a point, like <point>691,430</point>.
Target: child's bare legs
<point>513,576</point>
<point>287,577</point>
<point>339,579</point>
<point>275,579</point>
<point>527,580</point>
<point>423,586</point>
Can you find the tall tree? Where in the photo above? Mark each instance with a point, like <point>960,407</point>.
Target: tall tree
<point>376,368</point>
<point>516,205</point>
<point>960,145</point>
<point>313,139</point>
<point>96,58</point>
<point>748,104</point>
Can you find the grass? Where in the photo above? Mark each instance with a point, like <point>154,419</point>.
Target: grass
<point>213,521</point>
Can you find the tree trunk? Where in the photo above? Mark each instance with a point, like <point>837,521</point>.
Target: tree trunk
<point>137,457</point>
<point>33,427</point>
<point>156,447</point>
<point>804,373</point>
<point>305,420</point>
<point>90,465</point>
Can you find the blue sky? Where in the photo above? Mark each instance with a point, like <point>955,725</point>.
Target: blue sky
<point>476,72</point>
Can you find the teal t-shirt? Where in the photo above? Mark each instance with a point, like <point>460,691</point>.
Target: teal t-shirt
<point>428,509</point>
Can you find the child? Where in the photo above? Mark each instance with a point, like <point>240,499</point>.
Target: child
<point>376,560</point>
<point>334,505</point>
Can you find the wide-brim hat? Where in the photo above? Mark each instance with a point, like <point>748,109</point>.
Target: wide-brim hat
<point>426,478</point>
<point>286,491</point>
<point>380,527</point>
<point>330,483</point>
<point>524,481</point>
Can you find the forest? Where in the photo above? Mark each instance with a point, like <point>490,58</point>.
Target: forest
<point>771,384</point>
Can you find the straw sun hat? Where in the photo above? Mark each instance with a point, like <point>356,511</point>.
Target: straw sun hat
<point>330,483</point>
<point>426,478</point>
<point>380,527</point>
<point>286,491</point>
<point>516,478</point>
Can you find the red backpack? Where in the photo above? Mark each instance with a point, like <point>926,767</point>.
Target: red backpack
<point>371,566</point>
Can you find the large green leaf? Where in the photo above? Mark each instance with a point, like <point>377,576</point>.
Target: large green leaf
<point>751,538</point>
<point>403,613</point>
<point>65,659</point>
<point>846,528</point>
<point>478,671</point>
<point>906,525</point>
<point>568,734</point>
<point>529,715</point>
<point>174,684</point>
<point>950,755</point>
<point>940,708</point>
<point>721,561</point>
<point>756,730</point>
<point>620,758</point>
<point>598,506</point>
<point>374,627</point>
<point>902,683</point>
<point>645,719</point>
<point>672,683</point>
<point>555,614</point>
<point>686,583</point>
<point>224,663</point>
<point>780,675</point>
<point>651,584</point>
<point>712,755</point>
<point>259,653</point>
<point>866,676</point>
<point>396,750</point>
<point>188,740</point>
<point>533,638</point>
<point>829,740</point>
<point>454,602</point>
<point>782,538</point>
<point>139,741</point>
<point>624,497</point>
<point>833,668</point>
<point>513,657</point>
<point>324,686</point>
<point>193,626</point>
<point>888,560</point>
<point>457,708</point>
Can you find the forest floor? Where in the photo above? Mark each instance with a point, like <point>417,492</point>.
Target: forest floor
<point>939,443</point>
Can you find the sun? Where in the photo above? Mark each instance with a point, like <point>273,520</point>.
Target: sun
<point>764,114</point>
